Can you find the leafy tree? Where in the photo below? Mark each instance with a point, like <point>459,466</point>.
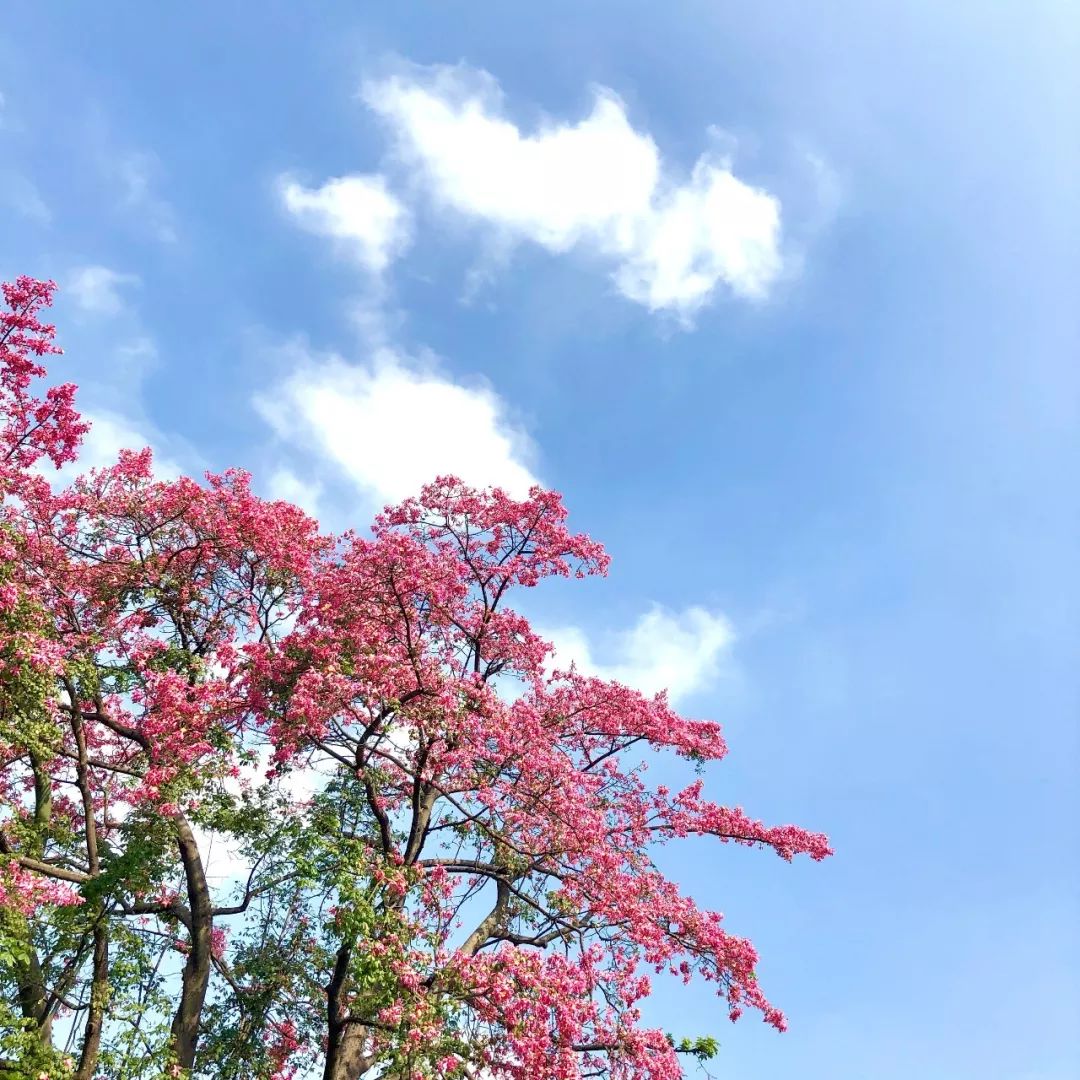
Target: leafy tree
<point>438,850</point>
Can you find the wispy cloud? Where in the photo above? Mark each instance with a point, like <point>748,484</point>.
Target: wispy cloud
<point>22,197</point>
<point>8,121</point>
<point>286,485</point>
<point>110,432</point>
<point>96,289</point>
<point>111,396</point>
<point>135,175</point>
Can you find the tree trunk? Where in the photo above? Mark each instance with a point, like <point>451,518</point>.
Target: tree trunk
<point>99,992</point>
<point>99,979</point>
<point>196,973</point>
<point>33,996</point>
<point>346,1057</point>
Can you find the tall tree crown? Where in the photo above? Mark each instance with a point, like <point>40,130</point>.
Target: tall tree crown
<point>439,848</point>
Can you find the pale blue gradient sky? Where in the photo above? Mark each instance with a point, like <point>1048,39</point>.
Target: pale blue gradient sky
<point>872,474</point>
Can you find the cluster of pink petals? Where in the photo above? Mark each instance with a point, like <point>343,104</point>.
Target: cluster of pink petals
<point>24,891</point>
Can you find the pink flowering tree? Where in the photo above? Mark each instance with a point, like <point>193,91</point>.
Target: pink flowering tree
<point>439,850</point>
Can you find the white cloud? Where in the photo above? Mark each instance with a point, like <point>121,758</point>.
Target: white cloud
<point>679,652</point>
<point>96,289</point>
<point>596,184</point>
<point>371,225</point>
<point>393,425</point>
<point>284,484</point>
<point>109,434</point>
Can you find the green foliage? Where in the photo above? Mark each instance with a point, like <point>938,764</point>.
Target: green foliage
<point>704,1048</point>
<point>25,1056</point>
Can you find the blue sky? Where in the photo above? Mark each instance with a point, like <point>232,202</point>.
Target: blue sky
<point>783,301</point>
